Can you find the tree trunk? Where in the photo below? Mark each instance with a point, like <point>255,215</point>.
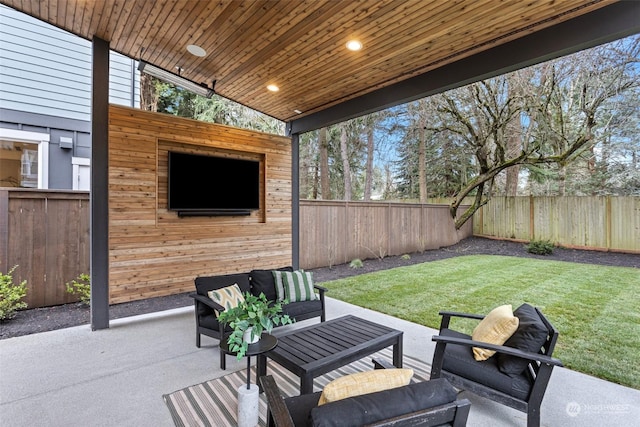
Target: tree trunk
<point>562,180</point>
<point>368,183</point>
<point>346,168</point>
<point>316,181</point>
<point>422,164</point>
<point>323,144</point>
<point>148,94</point>
<point>514,147</point>
<point>303,178</point>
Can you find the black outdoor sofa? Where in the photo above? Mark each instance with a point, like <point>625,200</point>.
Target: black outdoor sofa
<point>255,282</point>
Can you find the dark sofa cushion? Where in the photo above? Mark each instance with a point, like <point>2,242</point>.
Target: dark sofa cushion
<point>296,309</point>
<point>205,284</point>
<point>263,281</point>
<point>459,360</point>
<point>373,407</point>
<point>530,336</point>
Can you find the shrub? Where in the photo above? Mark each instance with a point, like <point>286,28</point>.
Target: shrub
<point>540,247</point>
<point>356,263</point>
<point>11,295</point>
<point>81,287</point>
<point>406,257</point>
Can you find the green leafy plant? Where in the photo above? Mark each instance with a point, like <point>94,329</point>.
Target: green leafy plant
<point>11,295</point>
<point>81,286</point>
<point>406,257</point>
<point>540,247</point>
<point>254,312</point>
<point>356,263</point>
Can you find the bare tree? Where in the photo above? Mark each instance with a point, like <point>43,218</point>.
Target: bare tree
<point>564,101</point>
<point>513,138</point>
<point>479,114</point>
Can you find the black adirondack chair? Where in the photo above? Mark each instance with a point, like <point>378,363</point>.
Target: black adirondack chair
<point>516,376</point>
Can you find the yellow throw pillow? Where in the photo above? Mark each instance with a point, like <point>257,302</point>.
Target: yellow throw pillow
<point>364,382</point>
<point>495,328</point>
<point>228,297</point>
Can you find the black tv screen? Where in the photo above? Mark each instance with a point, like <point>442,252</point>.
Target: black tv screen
<point>209,185</point>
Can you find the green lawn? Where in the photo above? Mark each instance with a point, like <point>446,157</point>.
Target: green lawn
<point>595,308</point>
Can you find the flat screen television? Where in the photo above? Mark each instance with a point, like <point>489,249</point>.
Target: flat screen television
<point>202,185</point>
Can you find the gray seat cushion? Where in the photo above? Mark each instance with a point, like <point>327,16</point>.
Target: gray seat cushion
<point>296,309</point>
<point>459,360</point>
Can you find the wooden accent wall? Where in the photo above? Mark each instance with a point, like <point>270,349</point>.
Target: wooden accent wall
<point>153,252</point>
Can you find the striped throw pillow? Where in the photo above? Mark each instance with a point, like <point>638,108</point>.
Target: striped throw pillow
<point>277,278</point>
<point>228,297</point>
<point>298,286</point>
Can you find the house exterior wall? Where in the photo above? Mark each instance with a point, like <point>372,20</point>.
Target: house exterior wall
<point>45,87</point>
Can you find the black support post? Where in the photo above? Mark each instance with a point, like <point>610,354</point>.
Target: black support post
<point>99,185</point>
<point>295,201</point>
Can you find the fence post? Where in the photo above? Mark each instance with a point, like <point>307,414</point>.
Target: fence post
<point>532,219</point>
<point>608,222</point>
<point>4,230</point>
<point>388,233</point>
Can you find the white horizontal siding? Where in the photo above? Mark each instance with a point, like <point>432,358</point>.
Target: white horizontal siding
<point>45,70</point>
<point>120,69</point>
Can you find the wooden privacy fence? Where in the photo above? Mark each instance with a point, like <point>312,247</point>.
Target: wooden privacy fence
<point>336,232</point>
<point>45,233</point>
<point>599,222</point>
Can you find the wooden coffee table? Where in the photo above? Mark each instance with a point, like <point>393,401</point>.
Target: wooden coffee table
<point>315,350</point>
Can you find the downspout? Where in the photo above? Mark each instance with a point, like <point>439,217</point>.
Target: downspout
<point>133,83</point>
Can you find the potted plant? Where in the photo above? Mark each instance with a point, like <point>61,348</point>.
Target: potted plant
<point>249,319</point>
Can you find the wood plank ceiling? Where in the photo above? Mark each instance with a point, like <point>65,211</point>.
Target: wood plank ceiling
<point>300,45</point>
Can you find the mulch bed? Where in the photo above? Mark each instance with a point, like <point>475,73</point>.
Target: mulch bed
<point>51,318</point>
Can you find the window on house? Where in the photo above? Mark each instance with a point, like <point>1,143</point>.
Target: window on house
<point>29,172</point>
<point>24,158</point>
<point>19,164</point>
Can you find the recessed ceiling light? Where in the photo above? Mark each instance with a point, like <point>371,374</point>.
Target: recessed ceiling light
<point>196,50</point>
<point>354,45</point>
<point>273,88</point>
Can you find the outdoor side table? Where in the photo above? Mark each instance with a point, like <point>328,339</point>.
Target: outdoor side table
<point>248,395</point>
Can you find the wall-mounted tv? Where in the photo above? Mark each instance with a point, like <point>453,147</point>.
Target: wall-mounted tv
<point>202,185</point>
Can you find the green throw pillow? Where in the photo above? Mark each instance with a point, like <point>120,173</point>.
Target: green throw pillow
<point>298,286</point>
<point>277,278</point>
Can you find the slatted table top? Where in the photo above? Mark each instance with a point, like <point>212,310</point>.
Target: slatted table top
<point>321,348</point>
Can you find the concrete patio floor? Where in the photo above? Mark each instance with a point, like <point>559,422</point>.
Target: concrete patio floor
<point>116,377</point>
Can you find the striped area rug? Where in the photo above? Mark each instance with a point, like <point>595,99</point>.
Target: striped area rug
<point>214,403</point>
